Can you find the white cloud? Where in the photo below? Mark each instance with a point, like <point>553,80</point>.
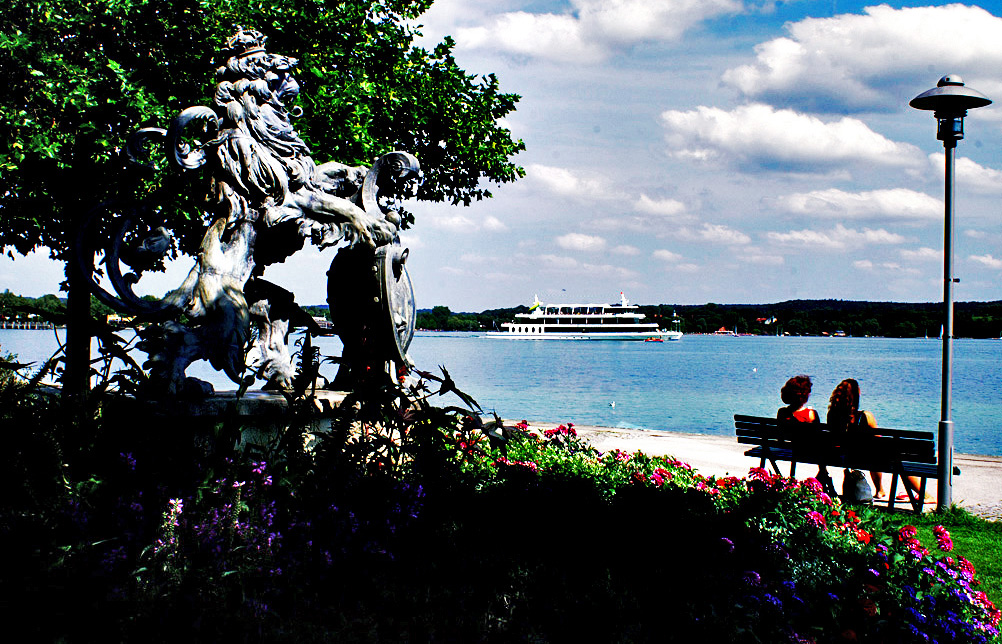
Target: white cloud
<point>892,204</point>
<point>666,207</point>
<point>970,174</point>
<point>757,257</point>
<point>652,216</point>
<point>552,36</point>
<point>563,182</point>
<point>867,61</point>
<point>884,267</point>
<point>558,262</point>
<point>563,264</point>
<point>609,270</point>
<point>494,224</point>
<point>714,234</point>
<point>451,221</point>
<point>987,260</point>
<point>410,240</point>
<point>625,249</point>
<point>761,136</point>
<point>592,29</point>
<point>839,238</point>
<point>924,254</point>
<point>666,255</point>
<point>581,243</point>
<point>686,268</point>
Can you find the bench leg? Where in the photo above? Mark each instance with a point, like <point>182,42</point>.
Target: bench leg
<point>915,497</point>
<point>920,502</point>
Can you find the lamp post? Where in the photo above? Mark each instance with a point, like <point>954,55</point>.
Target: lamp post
<point>949,101</point>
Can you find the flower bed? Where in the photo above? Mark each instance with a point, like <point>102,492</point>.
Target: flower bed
<point>428,526</point>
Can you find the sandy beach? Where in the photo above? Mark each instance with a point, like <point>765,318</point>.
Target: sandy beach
<point>978,488</point>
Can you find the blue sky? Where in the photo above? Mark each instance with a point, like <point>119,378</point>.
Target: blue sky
<point>692,151</point>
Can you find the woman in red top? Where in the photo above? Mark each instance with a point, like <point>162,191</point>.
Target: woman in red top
<point>795,393</point>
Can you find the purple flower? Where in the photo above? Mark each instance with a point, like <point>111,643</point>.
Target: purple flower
<point>129,459</point>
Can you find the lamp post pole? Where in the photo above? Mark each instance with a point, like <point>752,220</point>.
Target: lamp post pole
<point>944,493</point>
<point>949,100</point>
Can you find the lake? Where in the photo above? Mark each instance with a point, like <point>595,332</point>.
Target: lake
<point>695,385</point>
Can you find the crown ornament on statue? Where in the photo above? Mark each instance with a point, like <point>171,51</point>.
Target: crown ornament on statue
<point>245,42</point>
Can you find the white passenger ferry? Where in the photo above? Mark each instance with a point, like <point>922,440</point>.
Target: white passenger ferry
<point>583,322</point>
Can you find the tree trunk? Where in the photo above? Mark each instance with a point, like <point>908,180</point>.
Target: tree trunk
<point>76,377</point>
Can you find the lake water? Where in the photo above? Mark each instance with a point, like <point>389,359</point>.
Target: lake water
<point>695,385</point>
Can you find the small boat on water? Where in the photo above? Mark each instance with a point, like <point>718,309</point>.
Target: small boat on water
<point>621,321</point>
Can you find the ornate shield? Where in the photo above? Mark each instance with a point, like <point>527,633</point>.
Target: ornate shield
<point>396,299</point>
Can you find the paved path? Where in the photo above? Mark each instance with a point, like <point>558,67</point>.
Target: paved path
<point>978,488</point>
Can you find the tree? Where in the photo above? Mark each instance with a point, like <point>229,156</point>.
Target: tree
<point>80,77</point>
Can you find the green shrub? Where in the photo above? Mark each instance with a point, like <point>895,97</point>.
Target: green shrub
<point>409,522</point>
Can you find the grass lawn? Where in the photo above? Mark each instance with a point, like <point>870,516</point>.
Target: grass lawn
<point>979,540</point>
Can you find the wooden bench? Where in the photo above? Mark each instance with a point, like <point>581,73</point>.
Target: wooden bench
<point>899,452</point>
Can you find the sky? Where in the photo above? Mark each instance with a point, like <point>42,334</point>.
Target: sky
<point>694,151</point>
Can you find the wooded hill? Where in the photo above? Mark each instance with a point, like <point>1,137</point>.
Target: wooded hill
<point>793,317</point>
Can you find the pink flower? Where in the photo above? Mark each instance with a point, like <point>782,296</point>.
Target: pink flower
<point>966,568</point>
<point>816,518</point>
<point>661,475</point>
<point>812,485</point>
<point>943,538</point>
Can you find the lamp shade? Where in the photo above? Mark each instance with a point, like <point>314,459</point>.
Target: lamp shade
<point>950,96</point>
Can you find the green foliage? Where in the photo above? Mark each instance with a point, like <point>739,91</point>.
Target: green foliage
<point>406,521</point>
<point>978,539</point>
<point>79,78</point>
<point>795,317</point>
<point>815,317</point>
<point>441,318</point>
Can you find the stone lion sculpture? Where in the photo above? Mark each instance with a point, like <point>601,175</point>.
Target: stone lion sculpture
<point>267,198</point>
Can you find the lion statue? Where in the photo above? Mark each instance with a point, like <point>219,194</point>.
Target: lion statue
<point>268,196</point>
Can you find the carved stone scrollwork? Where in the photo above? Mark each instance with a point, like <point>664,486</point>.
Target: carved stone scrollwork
<point>186,155</point>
